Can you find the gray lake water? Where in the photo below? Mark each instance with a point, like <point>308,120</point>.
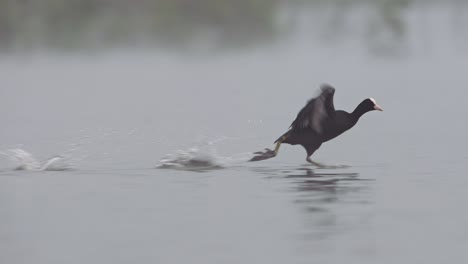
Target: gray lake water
<point>89,130</point>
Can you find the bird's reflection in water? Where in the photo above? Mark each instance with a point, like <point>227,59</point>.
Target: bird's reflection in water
<point>330,202</point>
<point>307,180</point>
<point>325,198</point>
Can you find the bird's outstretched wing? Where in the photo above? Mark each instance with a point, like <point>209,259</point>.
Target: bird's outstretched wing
<point>316,111</point>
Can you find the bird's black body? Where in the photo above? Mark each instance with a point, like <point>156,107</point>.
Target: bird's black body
<point>319,122</point>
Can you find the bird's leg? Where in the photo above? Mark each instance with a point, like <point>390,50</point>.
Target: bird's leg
<point>278,144</point>
<point>320,165</point>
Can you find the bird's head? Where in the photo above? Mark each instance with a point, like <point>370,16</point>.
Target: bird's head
<point>370,104</point>
<point>365,106</point>
<point>374,104</point>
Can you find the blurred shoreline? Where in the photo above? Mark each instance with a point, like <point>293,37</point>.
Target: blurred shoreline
<point>206,25</point>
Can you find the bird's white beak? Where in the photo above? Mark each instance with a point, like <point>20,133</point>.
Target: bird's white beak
<point>377,107</point>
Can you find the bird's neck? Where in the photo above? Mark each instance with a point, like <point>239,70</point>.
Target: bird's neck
<point>359,111</point>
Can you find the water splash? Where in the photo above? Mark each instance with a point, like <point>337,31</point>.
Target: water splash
<point>26,161</point>
<point>191,159</point>
<point>201,158</point>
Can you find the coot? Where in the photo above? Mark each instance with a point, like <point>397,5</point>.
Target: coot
<point>319,122</point>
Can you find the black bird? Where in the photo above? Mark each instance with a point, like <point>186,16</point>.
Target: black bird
<point>319,122</point>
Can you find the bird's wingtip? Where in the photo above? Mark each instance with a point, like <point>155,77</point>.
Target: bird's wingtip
<point>325,87</point>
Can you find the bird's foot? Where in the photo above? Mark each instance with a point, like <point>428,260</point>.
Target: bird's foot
<point>263,155</point>
<point>325,166</point>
